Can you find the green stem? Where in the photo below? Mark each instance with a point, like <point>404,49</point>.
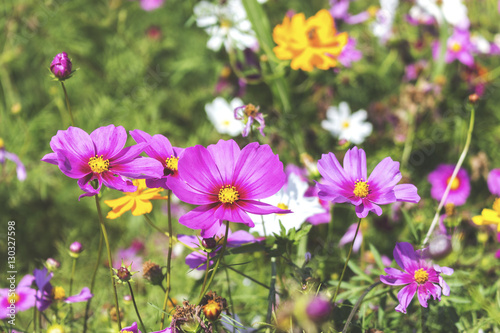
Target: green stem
<point>356,306</point>
<point>34,318</point>
<point>272,290</point>
<point>207,270</point>
<point>110,260</point>
<point>67,104</point>
<point>135,306</point>
<point>148,220</point>
<point>169,260</point>
<point>452,178</point>
<point>229,291</point>
<point>73,268</point>
<point>410,136</point>
<point>92,281</point>
<point>221,254</point>
<point>346,262</point>
<point>248,277</point>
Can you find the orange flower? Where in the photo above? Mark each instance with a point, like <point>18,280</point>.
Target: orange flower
<point>137,202</point>
<point>309,43</point>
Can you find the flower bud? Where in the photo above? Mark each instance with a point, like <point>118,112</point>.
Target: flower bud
<point>473,98</point>
<point>209,243</point>
<point>212,310</point>
<point>152,272</point>
<point>75,249</point>
<point>123,274</point>
<point>61,66</point>
<point>52,264</point>
<point>318,309</point>
<point>440,246</point>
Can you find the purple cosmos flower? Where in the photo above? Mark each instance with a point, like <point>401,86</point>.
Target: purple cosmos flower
<point>494,182</point>
<point>226,183</point>
<point>149,5</point>
<point>350,54</point>
<point>320,218</point>
<point>47,293</point>
<point>22,299</point>
<point>458,47</point>
<point>100,156</point>
<point>197,260</point>
<point>160,149</point>
<point>20,169</point>
<point>418,274</point>
<point>248,113</point>
<point>76,247</point>
<point>460,188</point>
<point>350,183</point>
<point>340,11</point>
<point>61,66</point>
<point>318,309</point>
<point>131,329</point>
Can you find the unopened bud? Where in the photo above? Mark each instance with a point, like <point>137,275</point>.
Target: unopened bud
<point>212,310</point>
<point>75,249</point>
<point>318,309</point>
<point>209,243</point>
<point>61,66</point>
<point>473,98</point>
<point>52,264</point>
<point>152,272</point>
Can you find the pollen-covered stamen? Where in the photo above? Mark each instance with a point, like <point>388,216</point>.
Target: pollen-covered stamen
<point>228,194</point>
<point>282,206</point>
<point>251,110</point>
<point>58,293</point>
<point>361,188</point>
<point>172,163</point>
<point>455,47</point>
<point>13,298</point>
<point>455,184</point>
<point>421,276</point>
<point>98,165</point>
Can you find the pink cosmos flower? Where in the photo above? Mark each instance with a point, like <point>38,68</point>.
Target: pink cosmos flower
<point>460,188</point>
<point>23,297</point>
<point>226,182</point>
<point>160,149</point>
<point>249,113</point>
<point>494,182</point>
<point>132,328</point>
<point>458,47</point>
<point>420,276</point>
<point>351,184</point>
<point>350,54</point>
<point>100,156</point>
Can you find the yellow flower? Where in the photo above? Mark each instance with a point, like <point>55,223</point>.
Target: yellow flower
<point>489,216</point>
<point>137,202</point>
<point>309,43</point>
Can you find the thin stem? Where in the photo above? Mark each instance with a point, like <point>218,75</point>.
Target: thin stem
<point>248,277</point>
<point>452,178</point>
<point>356,306</point>
<point>410,136</point>
<point>169,260</point>
<point>272,291</point>
<point>34,318</point>
<point>92,281</point>
<point>221,254</point>
<point>110,260</point>
<point>345,265</point>
<point>207,270</point>
<point>135,306</point>
<point>67,104</point>
<point>148,220</point>
<point>229,291</point>
<point>73,268</point>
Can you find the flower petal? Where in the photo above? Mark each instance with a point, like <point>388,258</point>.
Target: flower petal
<point>109,140</point>
<point>385,175</point>
<point>197,168</point>
<point>355,164</point>
<point>406,192</point>
<point>225,155</point>
<point>83,296</point>
<point>405,257</point>
<point>202,217</point>
<point>141,167</point>
<point>405,296</point>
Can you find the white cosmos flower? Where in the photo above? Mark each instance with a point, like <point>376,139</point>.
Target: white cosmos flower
<point>452,11</point>
<point>291,197</point>
<point>226,24</point>
<point>344,125</point>
<point>382,27</point>
<point>221,114</point>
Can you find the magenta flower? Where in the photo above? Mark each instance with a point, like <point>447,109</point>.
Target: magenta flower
<point>100,156</point>
<point>494,182</point>
<point>350,183</point>
<point>61,66</point>
<point>458,47</point>
<point>131,329</point>
<point>349,53</point>
<point>460,188</point>
<point>4,154</point>
<point>226,183</point>
<point>249,113</point>
<point>340,11</point>
<point>47,293</point>
<point>418,274</point>
<point>160,149</point>
<point>149,5</point>
<point>22,299</point>
<point>318,309</point>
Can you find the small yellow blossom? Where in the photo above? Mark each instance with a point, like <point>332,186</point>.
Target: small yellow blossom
<point>489,216</point>
<point>309,43</point>
<point>138,201</point>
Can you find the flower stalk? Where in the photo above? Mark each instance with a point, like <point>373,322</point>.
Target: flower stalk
<point>92,281</point>
<point>68,106</point>
<point>169,260</point>
<point>135,306</point>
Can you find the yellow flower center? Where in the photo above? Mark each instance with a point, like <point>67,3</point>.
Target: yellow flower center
<point>496,205</point>
<point>226,123</point>
<point>127,332</point>
<point>55,329</point>
<point>58,293</point>
<point>282,206</point>
<point>228,194</point>
<point>313,37</point>
<point>1,143</point>
<point>455,47</point>
<point>172,163</point>
<point>345,124</point>
<point>225,24</point>
<point>421,276</point>
<point>455,184</point>
<point>13,299</point>
<point>361,188</point>
<point>98,165</point>
<point>225,72</point>
<point>372,11</point>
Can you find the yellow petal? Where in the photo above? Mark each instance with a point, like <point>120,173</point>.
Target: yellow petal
<point>119,210</point>
<point>141,207</point>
